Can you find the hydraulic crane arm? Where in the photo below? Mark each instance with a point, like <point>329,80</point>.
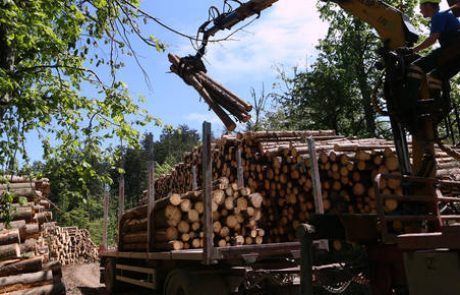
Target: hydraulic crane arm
<point>392,25</point>
<point>227,20</point>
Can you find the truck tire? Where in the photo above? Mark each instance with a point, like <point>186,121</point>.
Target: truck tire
<point>182,282</point>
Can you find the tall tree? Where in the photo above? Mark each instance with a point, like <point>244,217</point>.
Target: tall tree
<point>166,152</point>
<point>336,90</point>
<point>50,50</point>
<point>175,142</point>
<point>318,99</point>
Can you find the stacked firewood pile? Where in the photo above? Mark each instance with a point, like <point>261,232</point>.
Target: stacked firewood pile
<point>25,266</point>
<point>277,165</point>
<point>70,245</point>
<point>178,220</point>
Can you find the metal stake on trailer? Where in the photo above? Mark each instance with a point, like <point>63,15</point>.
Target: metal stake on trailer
<point>239,168</point>
<point>304,234</point>
<point>151,205</point>
<point>206,164</point>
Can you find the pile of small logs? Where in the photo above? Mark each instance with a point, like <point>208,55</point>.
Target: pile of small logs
<point>278,165</point>
<point>25,266</point>
<point>178,220</point>
<point>215,95</point>
<point>70,245</point>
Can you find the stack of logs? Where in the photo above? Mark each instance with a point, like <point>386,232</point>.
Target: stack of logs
<point>178,220</point>
<point>25,266</point>
<point>277,165</point>
<point>70,245</point>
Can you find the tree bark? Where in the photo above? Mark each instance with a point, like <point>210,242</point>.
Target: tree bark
<point>25,266</point>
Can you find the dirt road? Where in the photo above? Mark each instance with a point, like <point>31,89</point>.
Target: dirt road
<point>82,279</point>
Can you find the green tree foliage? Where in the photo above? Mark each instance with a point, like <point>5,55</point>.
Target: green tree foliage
<point>165,152</point>
<point>317,99</point>
<point>49,52</point>
<point>68,191</point>
<point>174,143</point>
<point>135,162</point>
<point>74,204</point>
<point>335,91</point>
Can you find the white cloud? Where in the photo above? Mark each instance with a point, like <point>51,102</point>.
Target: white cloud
<point>285,34</point>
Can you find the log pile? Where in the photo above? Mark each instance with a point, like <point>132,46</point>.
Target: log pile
<point>255,152</point>
<point>25,266</point>
<point>277,165</point>
<point>70,245</point>
<point>178,220</point>
<point>215,95</point>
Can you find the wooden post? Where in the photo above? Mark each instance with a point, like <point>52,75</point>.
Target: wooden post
<point>151,205</point>
<point>239,170</point>
<point>121,198</point>
<point>106,217</point>
<point>206,164</point>
<point>194,182</point>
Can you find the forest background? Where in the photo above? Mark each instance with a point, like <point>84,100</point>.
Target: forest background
<point>56,84</point>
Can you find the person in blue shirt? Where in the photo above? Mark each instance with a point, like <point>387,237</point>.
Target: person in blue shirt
<point>445,28</point>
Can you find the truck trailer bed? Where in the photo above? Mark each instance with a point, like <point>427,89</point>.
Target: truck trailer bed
<point>248,253</point>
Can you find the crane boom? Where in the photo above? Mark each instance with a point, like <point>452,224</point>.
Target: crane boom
<point>395,31</point>
<point>392,25</point>
<point>227,20</point>
<point>248,9</point>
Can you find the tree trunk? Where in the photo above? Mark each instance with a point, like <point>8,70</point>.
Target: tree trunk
<point>9,237</point>
<point>25,281</point>
<point>25,266</point>
<point>10,252</point>
<point>51,289</point>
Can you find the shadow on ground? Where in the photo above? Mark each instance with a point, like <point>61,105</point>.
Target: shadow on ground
<point>91,291</point>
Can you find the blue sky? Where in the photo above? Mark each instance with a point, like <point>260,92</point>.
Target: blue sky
<point>285,34</point>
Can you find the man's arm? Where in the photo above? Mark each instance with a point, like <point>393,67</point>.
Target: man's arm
<point>428,42</point>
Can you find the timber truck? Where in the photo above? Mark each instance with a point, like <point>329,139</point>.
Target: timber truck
<point>420,263</point>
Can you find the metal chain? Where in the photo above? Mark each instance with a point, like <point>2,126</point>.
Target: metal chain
<point>338,290</point>
<point>343,286</point>
<point>350,268</point>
